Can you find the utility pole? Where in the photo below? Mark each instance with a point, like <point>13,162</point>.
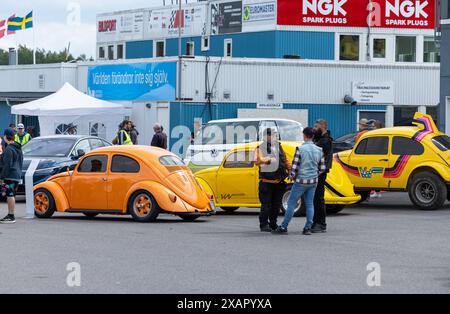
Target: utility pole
<point>180,21</point>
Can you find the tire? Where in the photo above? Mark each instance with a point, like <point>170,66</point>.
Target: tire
<point>334,209</point>
<point>44,204</point>
<point>189,218</point>
<point>427,191</point>
<point>299,211</point>
<point>3,199</point>
<point>448,194</point>
<point>90,215</point>
<point>364,196</point>
<point>230,209</point>
<point>143,207</point>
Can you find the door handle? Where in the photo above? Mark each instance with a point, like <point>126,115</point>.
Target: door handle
<point>103,179</point>
<point>384,160</point>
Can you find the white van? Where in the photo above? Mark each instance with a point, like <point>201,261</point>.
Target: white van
<point>219,137</point>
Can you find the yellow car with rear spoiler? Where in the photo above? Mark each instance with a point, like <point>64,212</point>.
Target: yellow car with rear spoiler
<point>234,183</point>
<point>415,159</point>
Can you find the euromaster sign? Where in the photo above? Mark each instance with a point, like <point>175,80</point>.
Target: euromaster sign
<point>141,81</point>
<point>419,14</point>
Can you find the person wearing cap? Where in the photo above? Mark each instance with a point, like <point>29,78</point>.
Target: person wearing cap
<point>22,137</point>
<point>273,170</point>
<point>363,128</point>
<point>160,138</point>
<point>11,162</point>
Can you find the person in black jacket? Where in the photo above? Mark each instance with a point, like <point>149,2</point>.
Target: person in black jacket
<point>324,140</point>
<point>160,138</point>
<point>11,162</point>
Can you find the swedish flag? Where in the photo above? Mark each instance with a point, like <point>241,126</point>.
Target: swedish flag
<point>20,23</point>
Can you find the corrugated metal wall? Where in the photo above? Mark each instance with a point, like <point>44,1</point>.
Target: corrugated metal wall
<point>307,45</point>
<point>5,116</point>
<point>245,45</point>
<point>139,49</point>
<point>268,44</point>
<point>306,81</point>
<point>342,119</point>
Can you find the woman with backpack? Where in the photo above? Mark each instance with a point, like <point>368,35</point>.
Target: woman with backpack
<point>273,170</point>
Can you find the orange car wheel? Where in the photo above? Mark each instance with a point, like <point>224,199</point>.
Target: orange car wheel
<point>143,207</point>
<point>44,204</point>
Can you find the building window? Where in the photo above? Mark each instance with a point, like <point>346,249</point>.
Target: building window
<point>404,116</point>
<point>160,49</point>
<point>119,51</point>
<point>205,43</point>
<point>228,48</point>
<point>379,48</point>
<point>349,47</point>
<point>111,52</point>
<point>101,52</point>
<point>190,48</point>
<point>431,52</point>
<point>405,49</point>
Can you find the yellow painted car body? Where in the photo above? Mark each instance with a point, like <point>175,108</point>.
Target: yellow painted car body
<point>393,159</point>
<point>235,182</point>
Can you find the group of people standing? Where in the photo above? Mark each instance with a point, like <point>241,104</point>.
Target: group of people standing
<point>308,170</point>
<point>128,135</point>
<point>11,161</point>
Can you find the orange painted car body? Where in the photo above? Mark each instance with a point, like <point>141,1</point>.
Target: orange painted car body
<point>174,187</point>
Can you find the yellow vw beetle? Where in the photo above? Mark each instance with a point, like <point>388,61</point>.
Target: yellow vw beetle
<point>234,183</point>
<point>414,159</point>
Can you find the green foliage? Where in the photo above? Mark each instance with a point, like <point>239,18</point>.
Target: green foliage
<point>42,56</point>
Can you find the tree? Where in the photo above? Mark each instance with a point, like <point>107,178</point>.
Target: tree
<point>42,56</point>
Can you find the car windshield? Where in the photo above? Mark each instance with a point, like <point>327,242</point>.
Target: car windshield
<point>229,133</point>
<point>50,147</point>
<point>349,138</point>
<point>442,142</point>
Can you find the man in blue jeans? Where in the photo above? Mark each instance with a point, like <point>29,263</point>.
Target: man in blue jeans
<point>308,164</point>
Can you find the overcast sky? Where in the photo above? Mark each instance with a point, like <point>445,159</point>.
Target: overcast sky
<point>54,22</point>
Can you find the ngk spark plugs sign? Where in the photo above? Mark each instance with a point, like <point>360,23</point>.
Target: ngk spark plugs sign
<point>358,13</point>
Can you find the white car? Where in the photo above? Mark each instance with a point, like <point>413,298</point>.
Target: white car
<point>221,136</point>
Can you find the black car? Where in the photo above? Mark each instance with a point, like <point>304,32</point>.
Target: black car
<point>56,154</point>
<point>346,142</point>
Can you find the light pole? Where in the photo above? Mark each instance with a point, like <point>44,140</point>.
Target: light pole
<point>180,20</point>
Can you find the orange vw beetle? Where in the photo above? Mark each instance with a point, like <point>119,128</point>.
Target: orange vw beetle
<point>125,180</point>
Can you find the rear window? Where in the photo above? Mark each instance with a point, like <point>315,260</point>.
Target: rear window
<point>171,161</point>
<point>407,146</point>
<point>442,142</point>
<point>290,131</point>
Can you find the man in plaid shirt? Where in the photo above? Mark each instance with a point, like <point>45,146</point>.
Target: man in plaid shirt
<point>308,163</point>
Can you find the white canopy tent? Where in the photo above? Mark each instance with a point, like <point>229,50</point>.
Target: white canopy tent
<point>69,108</point>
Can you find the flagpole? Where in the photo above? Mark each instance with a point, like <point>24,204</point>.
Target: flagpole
<point>34,40</point>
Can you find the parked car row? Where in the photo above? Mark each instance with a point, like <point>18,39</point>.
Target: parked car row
<point>79,174</point>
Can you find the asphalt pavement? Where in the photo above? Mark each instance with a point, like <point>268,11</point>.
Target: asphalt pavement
<point>227,253</point>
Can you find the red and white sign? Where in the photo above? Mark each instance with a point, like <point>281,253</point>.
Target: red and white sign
<point>107,26</point>
<point>358,13</point>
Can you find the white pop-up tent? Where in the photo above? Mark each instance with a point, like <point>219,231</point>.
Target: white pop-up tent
<point>69,108</point>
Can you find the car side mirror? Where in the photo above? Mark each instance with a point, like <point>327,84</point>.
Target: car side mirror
<point>80,153</point>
